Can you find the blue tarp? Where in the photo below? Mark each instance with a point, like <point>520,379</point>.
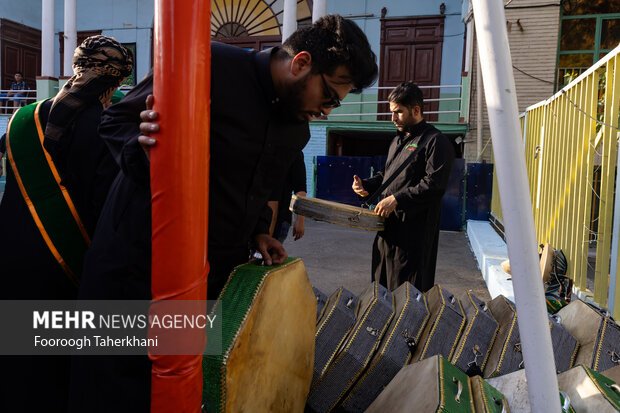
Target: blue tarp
<point>468,195</point>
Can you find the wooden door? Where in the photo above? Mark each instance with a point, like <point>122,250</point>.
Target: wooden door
<point>411,50</point>
<point>20,46</point>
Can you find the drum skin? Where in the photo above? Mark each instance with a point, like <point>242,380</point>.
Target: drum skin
<point>269,314</point>
<point>336,213</point>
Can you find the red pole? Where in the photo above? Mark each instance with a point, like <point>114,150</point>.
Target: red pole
<point>179,185</point>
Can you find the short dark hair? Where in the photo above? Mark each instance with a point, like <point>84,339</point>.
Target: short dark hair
<point>333,41</point>
<point>407,94</point>
<point>19,73</point>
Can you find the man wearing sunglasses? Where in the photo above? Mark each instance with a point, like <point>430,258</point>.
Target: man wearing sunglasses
<point>261,103</point>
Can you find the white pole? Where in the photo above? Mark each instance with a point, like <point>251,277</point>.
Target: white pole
<point>47,38</point>
<point>479,122</point>
<point>319,9</point>
<point>615,243</point>
<point>289,23</point>
<point>502,107</point>
<point>70,41</point>
<point>469,45</point>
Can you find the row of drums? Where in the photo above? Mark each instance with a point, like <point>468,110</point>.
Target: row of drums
<point>363,342</point>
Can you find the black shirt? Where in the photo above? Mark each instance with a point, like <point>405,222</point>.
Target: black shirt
<point>252,148</point>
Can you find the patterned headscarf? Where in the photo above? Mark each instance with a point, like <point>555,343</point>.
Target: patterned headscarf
<point>101,63</point>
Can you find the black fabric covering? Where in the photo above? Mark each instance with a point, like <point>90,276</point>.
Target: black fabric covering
<point>444,327</point>
<point>30,271</point>
<point>505,314</point>
<point>407,249</point>
<point>337,320</point>
<point>609,334</point>
<point>117,266</point>
<point>393,353</point>
<point>565,346</point>
<point>374,315</point>
<point>478,336</point>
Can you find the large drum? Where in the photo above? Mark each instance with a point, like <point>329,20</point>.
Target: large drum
<point>336,213</point>
<point>268,326</point>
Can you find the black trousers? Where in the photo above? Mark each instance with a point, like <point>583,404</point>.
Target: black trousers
<point>395,262</point>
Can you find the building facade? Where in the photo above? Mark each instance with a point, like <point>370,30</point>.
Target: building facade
<point>551,43</point>
<point>418,41</point>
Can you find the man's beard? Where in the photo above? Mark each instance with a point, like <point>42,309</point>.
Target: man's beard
<point>291,102</point>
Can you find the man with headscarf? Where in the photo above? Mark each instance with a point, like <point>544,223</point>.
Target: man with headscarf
<point>58,177</point>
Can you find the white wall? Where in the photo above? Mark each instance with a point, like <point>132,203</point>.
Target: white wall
<point>26,12</point>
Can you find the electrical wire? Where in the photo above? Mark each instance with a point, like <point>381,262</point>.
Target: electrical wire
<point>534,6</point>
<point>532,76</point>
<point>581,110</point>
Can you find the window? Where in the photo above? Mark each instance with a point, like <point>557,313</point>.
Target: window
<point>589,29</point>
<point>131,79</point>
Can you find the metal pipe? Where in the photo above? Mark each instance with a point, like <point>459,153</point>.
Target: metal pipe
<point>615,244</point>
<point>368,102</point>
<point>47,38</point>
<point>501,100</point>
<point>70,40</point>
<point>389,113</point>
<point>479,123</point>
<point>469,45</point>
<point>420,86</point>
<point>289,23</point>
<point>355,16</point>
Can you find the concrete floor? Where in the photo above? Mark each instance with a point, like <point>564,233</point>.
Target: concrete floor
<point>339,256</point>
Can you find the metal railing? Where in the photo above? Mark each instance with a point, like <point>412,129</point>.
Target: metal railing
<point>10,103</point>
<point>569,140</point>
<point>375,112</point>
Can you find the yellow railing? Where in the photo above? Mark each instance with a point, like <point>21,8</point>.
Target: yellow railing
<point>569,139</point>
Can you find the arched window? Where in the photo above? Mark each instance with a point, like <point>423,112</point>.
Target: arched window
<point>252,23</point>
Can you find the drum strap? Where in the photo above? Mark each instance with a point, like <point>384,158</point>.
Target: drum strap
<point>386,182</point>
<point>46,197</point>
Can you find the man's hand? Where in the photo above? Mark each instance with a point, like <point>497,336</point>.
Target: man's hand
<point>147,126</point>
<point>299,227</point>
<point>357,186</point>
<point>386,206</point>
<point>270,248</point>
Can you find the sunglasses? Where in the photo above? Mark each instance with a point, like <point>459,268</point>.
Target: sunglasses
<point>334,100</point>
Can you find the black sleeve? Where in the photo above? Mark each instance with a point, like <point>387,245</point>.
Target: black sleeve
<point>275,194</point>
<point>3,144</point>
<point>298,174</point>
<point>264,221</point>
<point>372,184</point>
<point>90,160</point>
<point>439,162</point>
<point>120,129</point>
